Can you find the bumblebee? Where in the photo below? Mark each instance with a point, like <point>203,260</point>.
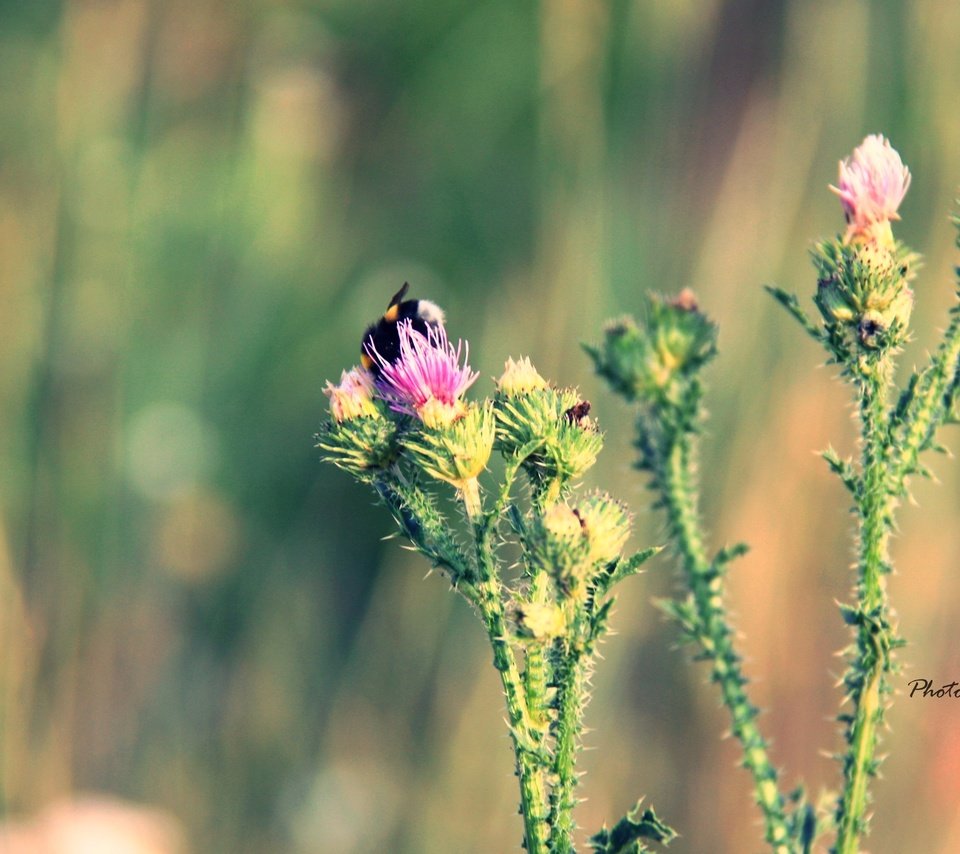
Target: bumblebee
<point>382,337</point>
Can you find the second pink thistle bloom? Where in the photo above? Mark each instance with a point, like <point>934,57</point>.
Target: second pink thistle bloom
<point>427,381</point>
<point>872,184</point>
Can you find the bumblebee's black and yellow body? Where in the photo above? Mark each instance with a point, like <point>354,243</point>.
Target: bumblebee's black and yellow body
<point>382,337</point>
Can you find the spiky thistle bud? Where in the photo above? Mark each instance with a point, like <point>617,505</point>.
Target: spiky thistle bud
<point>520,377</point>
<point>456,452</point>
<point>572,542</point>
<point>357,438</point>
<point>646,361</point>
<point>541,621</point>
<point>552,425</point>
<point>863,291</point>
<point>606,524</point>
<point>530,416</point>
<point>573,448</point>
<point>559,546</point>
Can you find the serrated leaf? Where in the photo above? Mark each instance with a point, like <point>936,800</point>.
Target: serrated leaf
<point>515,517</point>
<point>792,305</point>
<point>631,566</point>
<point>628,834</point>
<point>598,622</point>
<point>684,612</point>
<point>843,468</point>
<point>728,554</point>
<point>851,616</point>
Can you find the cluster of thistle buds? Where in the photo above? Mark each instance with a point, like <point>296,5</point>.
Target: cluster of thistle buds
<point>403,424</point>
<point>410,415</point>
<point>412,410</point>
<point>651,361</point>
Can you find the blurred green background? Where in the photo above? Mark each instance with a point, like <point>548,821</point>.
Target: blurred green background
<point>203,202</point>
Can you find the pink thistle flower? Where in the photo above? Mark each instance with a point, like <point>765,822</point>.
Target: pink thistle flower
<point>872,184</point>
<point>353,398</point>
<point>427,380</point>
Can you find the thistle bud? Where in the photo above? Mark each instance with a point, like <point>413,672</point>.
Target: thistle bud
<point>622,356</point>
<point>572,542</point>
<point>540,621</point>
<point>559,546</point>
<point>607,527</point>
<point>682,336</point>
<point>520,377</point>
<point>863,291</point>
<point>645,361</point>
<point>836,304</point>
<point>530,417</point>
<point>572,448</point>
<point>359,445</point>
<point>457,452</point>
<point>553,426</point>
<point>562,525</point>
<point>357,438</point>
<point>353,398</point>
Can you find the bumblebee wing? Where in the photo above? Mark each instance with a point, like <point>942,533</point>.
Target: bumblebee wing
<point>393,310</point>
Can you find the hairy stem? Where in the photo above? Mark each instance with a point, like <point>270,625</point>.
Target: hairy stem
<point>423,525</point>
<point>569,703</point>
<point>536,668</point>
<point>470,490</point>
<point>525,743</point>
<point>931,400</point>
<point>714,634</point>
<point>866,677</point>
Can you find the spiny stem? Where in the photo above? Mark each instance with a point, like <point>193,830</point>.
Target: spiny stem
<point>931,400</point>
<point>570,691</point>
<point>470,490</point>
<point>529,763</point>
<point>536,667</point>
<point>714,634</point>
<point>875,500</point>
<point>423,525</point>
<point>865,679</point>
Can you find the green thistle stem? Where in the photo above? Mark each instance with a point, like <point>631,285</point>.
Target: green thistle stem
<point>875,504</point>
<point>423,525</point>
<point>713,633</point>
<point>535,668</point>
<point>569,702</point>
<point>546,493</point>
<point>470,490</point>
<point>866,678</point>
<point>932,400</point>
<point>525,743</point>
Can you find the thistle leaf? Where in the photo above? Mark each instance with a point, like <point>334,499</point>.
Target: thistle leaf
<point>843,469</point>
<point>792,305</point>
<point>729,554</point>
<point>628,834</point>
